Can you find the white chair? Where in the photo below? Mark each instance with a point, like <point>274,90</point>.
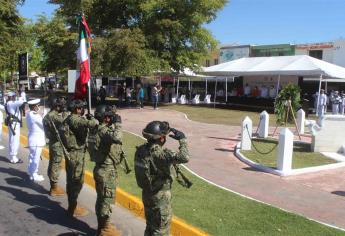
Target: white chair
<point>173,99</point>
<point>182,99</point>
<point>196,99</point>
<point>207,99</point>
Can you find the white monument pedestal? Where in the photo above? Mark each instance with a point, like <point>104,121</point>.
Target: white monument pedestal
<point>285,150</point>
<point>246,134</point>
<point>264,123</point>
<point>300,120</point>
<point>331,137</point>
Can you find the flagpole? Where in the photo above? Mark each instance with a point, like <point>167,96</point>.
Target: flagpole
<point>89,88</point>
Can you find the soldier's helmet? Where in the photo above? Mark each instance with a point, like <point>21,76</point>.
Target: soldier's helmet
<point>102,111</point>
<point>156,129</point>
<point>56,102</point>
<point>77,103</point>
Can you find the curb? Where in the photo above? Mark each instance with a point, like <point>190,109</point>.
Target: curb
<point>293,172</point>
<point>178,226</point>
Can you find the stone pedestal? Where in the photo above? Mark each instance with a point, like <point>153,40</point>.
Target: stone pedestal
<point>331,137</point>
<point>246,134</point>
<point>285,150</point>
<point>264,123</point>
<point>300,120</point>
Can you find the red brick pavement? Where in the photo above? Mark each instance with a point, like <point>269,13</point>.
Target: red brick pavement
<point>319,196</point>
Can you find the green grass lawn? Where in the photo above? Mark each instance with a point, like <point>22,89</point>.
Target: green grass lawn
<point>220,212</point>
<point>302,155</point>
<point>217,115</point>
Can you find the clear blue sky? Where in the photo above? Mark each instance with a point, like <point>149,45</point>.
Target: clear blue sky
<point>261,21</point>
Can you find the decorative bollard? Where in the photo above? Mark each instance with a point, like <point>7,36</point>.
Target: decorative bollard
<point>246,134</point>
<point>285,150</point>
<point>300,121</point>
<point>264,123</point>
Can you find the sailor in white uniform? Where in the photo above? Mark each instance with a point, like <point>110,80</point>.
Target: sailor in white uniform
<point>2,108</point>
<point>13,121</point>
<point>34,122</point>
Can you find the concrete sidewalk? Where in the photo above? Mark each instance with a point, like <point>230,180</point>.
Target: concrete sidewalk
<point>27,209</point>
<point>319,196</point>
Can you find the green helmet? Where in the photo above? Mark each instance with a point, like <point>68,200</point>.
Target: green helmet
<point>102,111</point>
<point>155,130</point>
<point>77,103</point>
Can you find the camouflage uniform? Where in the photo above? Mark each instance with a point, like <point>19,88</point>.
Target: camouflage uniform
<point>105,172</point>
<point>55,148</point>
<point>156,195</point>
<point>76,147</point>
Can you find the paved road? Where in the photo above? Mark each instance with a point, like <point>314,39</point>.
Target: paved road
<point>319,196</point>
<point>27,209</point>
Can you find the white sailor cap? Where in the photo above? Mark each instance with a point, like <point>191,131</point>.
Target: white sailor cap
<point>11,94</point>
<point>34,101</point>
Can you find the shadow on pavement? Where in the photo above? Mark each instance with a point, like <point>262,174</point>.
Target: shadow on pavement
<point>224,150</point>
<point>15,172</point>
<point>49,211</point>
<point>339,193</point>
<point>26,183</point>
<point>229,139</point>
<point>4,159</point>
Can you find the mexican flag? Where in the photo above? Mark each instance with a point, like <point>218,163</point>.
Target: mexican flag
<point>83,55</point>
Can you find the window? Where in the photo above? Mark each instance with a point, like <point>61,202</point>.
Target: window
<point>207,63</point>
<point>316,53</point>
<point>216,61</point>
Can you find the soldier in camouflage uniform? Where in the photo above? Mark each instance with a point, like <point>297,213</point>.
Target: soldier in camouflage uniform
<point>105,143</point>
<point>74,135</point>
<point>154,174</point>
<point>56,115</point>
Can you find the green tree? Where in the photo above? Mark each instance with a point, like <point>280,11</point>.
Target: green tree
<point>171,31</point>
<point>57,42</point>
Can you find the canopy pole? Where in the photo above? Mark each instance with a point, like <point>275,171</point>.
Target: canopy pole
<point>318,99</point>
<point>215,94</point>
<point>226,89</point>
<point>178,84</point>
<point>278,84</point>
<point>206,88</point>
<point>188,88</point>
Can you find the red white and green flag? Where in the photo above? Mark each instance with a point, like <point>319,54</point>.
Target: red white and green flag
<point>83,53</point>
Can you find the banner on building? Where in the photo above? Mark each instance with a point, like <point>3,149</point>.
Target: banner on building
<point>23,66</point>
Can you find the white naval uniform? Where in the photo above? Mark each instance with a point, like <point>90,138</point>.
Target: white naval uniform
<point>13,108</point>
<point>36,141</point>
<point>336,101</point>
<point>1,122</point>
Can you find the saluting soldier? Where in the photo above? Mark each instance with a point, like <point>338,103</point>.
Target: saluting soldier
<point>104,145</point>
<point>154,174</point>
<point>74,133</point>
<point>13,121</point>
<point>36,139</point>
<point>52,122</point>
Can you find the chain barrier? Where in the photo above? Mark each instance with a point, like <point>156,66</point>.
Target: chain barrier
<point>256,148</point>
<point>257,129</point>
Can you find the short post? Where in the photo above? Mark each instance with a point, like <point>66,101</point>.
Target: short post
<point>300,120</point>
<point>285,149</point>
<point>264,123</point>
<point>246,134</point>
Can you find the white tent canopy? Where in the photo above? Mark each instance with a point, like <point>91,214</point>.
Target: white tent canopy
<point>282,65</point>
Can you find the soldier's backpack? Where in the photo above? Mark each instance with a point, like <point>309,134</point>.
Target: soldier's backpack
<point>93,143</point>
<point>147,175</point>
<point>67,136</point>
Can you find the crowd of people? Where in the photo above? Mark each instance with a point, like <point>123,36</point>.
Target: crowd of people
<point>73,136</point>
<point>335,99</point>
